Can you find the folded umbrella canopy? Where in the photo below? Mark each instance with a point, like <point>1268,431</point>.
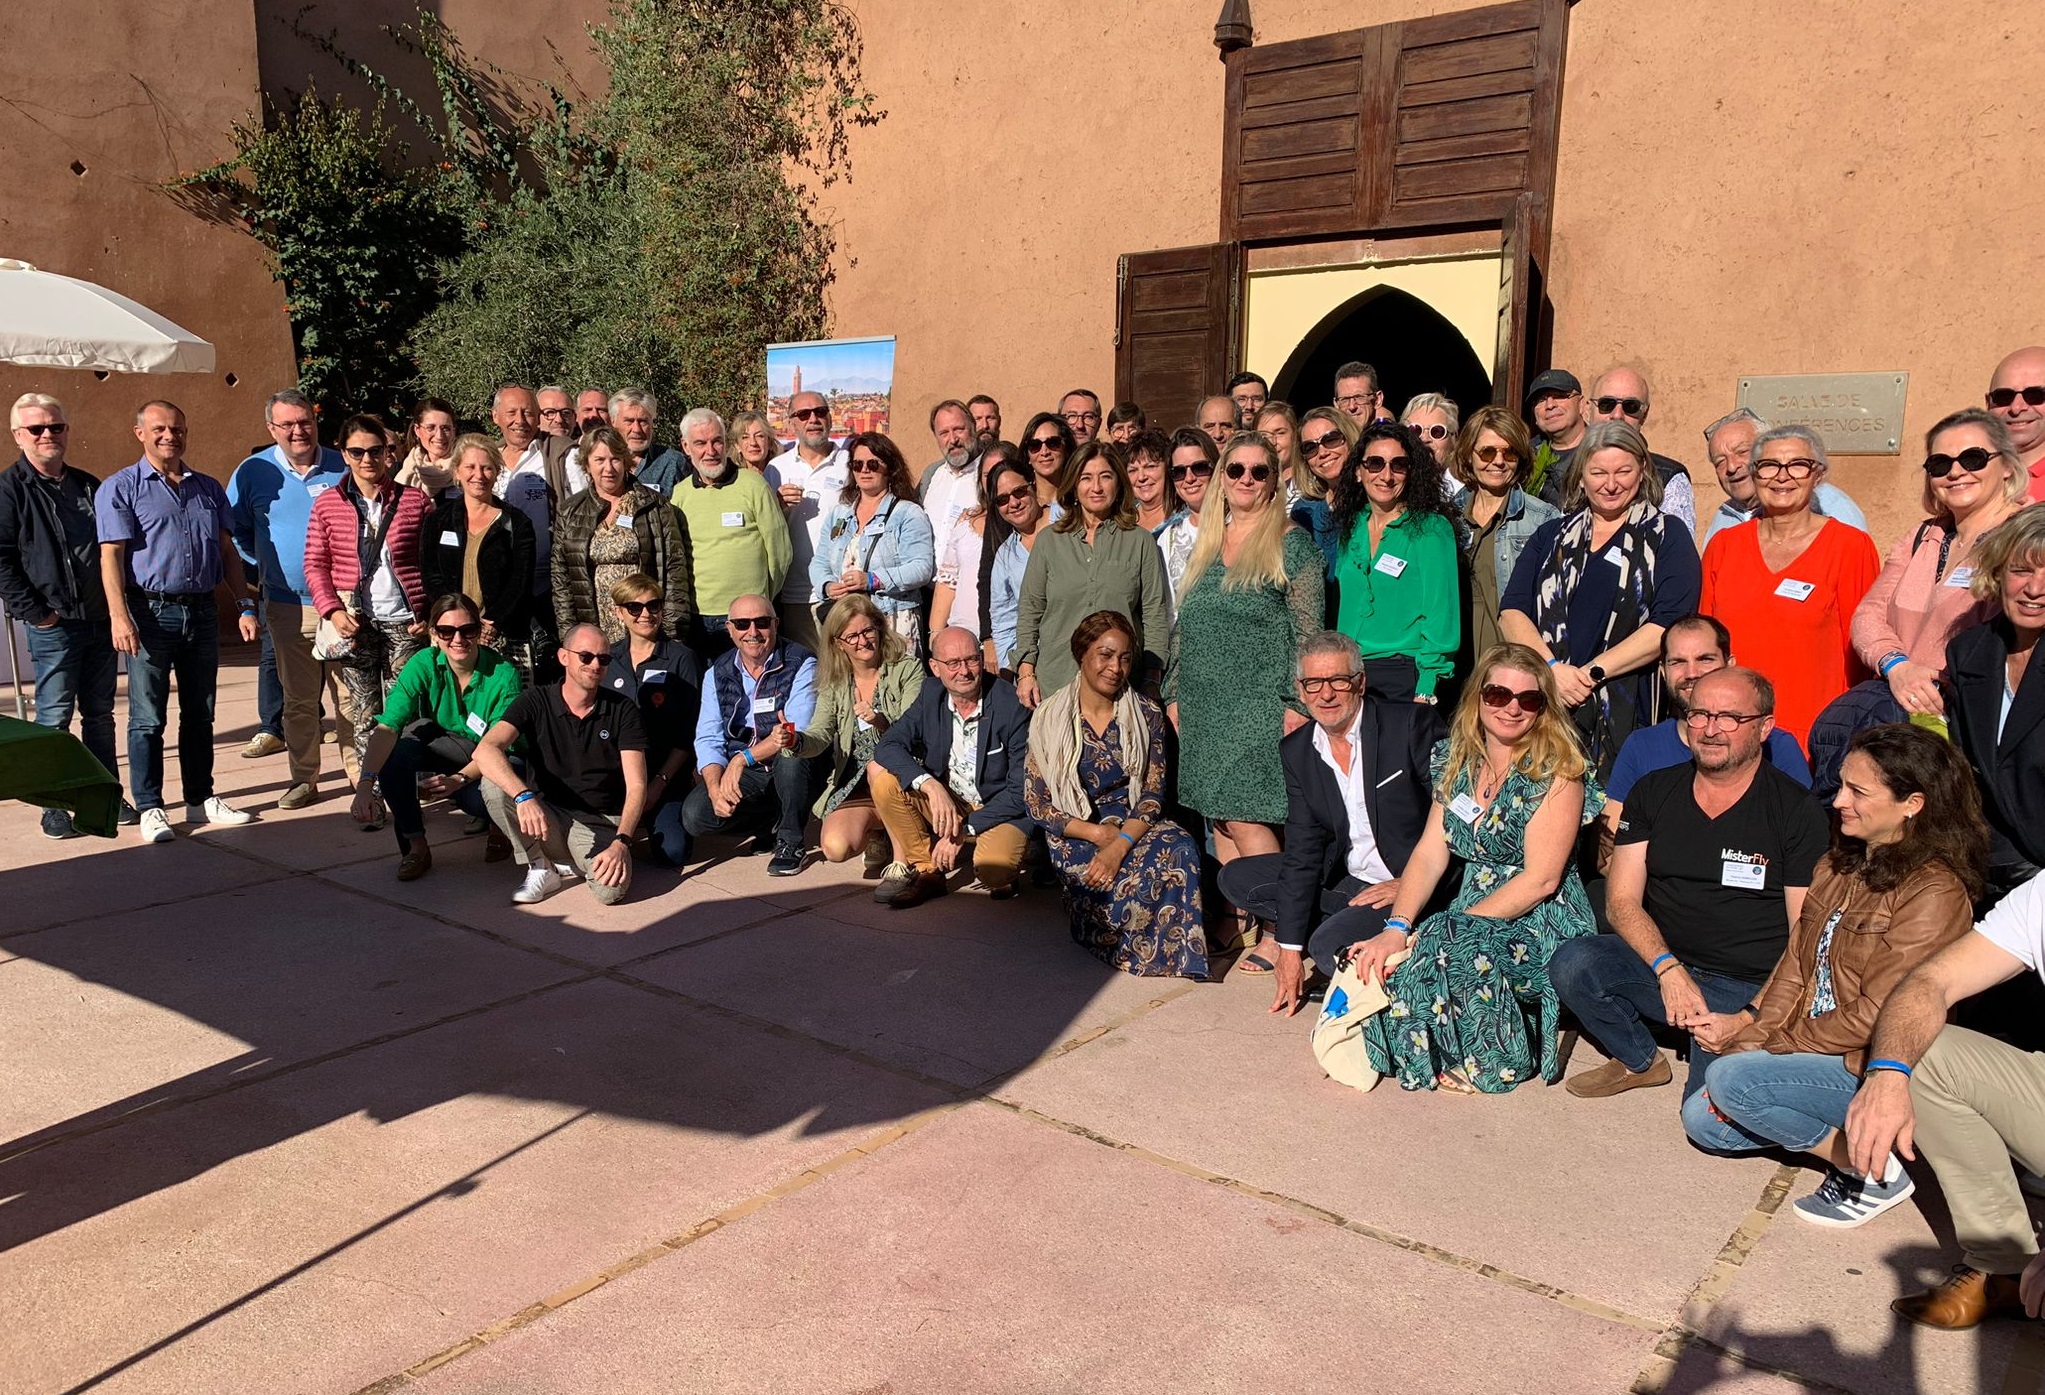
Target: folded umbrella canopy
<point>60,322</point>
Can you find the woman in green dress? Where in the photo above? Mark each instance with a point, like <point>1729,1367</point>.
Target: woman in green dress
<point>1253,588</point>
<point>1471,1008</point>
<point>1397,575</point>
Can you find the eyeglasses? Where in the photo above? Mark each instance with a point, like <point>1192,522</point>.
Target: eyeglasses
<point>1791,469</point>
<point>1547,395</point>
<point>294,428</point>
<point>450,633</point>
<point>1257,473</point>
<point>1532,701</point>
<point>1076,419</point>
<point>563,413</point>
<point>593,660</point>
<point>1315,686</point>
<point>360,453</point>
<point>1494,455</point>
<point>742,623</point>
<point>635,609</point>
<point>2005,397</point>
<point>1973,460</point>
<point>955,665</point>
<point>806,413</point>
<point>1433,431</point>
<point>1723,721</point>
<point>867,466</point>
<point>1201,470</point>
<point>1314,445</point>
<point>865,636</point>
<point>1377,465</point>
<point>1038,443</point>
<point>1014,496</point>
<point>1630,406</point>
<point>45,428</point>
<point>1356,401</point>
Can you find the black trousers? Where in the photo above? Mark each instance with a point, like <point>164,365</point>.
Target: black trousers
<point>1252,884</point>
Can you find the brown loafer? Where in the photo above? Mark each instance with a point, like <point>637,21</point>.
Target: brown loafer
<point>496,847</point>
<point>918,889</point>
<point>1612,1078</point>
<point>1966,1299</point>
<point>416,863</point>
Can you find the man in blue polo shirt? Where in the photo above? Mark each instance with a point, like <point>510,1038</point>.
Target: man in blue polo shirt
<point>166,543</point>
<point>271,495</point>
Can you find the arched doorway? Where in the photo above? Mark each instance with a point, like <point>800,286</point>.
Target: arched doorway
<point>1413,347</point>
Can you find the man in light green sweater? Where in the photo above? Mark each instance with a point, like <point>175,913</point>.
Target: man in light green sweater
<point>735,529</point>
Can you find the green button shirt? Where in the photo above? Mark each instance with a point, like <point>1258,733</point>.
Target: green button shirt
<point>426,690</point>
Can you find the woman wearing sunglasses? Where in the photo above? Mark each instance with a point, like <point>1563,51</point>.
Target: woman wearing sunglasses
<point>1471,1008</point>
<point>1326,437</point>
<point>1194,456</point>
<point>1095,558</point>
<point>955,599</point>
<point>866,679</point>
<point>444,699</point>
<point>666,678</point>
<point>1047,443</point>
<point>612,530</point>
<point>1787,582</point>
<point>1435,419</point>
<point>876,541</point>
<point>1014,524</point>
<point>1490,466</point>
<point>1253,590</point>
<point>1396,578</point>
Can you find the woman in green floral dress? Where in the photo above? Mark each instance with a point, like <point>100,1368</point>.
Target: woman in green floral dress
<point>1471,1007</point>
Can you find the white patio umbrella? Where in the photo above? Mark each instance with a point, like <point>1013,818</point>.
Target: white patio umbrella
<point>53,321</point>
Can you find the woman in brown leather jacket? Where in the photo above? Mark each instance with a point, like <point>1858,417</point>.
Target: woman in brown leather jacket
<point>1900,882</point>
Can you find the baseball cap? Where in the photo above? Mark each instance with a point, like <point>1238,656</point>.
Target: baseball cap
<point>1553,380</point>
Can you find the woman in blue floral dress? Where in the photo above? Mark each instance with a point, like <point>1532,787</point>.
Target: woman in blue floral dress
<point>1471,1007</point>
<point>1096,784</point>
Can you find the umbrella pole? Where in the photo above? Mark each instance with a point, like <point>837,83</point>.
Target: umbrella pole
<point>14,667</point>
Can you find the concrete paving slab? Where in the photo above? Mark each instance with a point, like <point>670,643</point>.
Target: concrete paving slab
<point>110,1015</point>
<point>991,1254</point>
<point>932,989</point>
<point>84,879</point>
<point>1526,1181</point>
<point>317,1233</point>
<point>1701,1372</point>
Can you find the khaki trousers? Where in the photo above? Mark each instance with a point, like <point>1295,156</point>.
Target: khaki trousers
<point>1980,1101</point>
<point>302,676</point>
<point>997,853</point>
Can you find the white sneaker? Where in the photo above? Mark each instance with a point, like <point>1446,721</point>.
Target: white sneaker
<point>216,810</point>
<point>155,826</point>
<point>541,881</point>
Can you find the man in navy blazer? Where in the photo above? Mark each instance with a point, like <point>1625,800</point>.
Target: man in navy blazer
<point>948,773</point>
<point>1356,784</point>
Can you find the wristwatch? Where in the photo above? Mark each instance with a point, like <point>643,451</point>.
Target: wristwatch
<point>1111,821</point>
<point>1597,674</point>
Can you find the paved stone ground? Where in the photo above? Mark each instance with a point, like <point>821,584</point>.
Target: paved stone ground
<point>277,1123</point>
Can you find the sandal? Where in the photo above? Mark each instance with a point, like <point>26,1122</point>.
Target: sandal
<point>1454,1084</point>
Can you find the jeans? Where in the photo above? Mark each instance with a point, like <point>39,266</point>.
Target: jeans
<point>180,639</point>
<point>74,670</point>
<point>712,639</point>
<point>1753,1100</point>
<point>1609,988</point>
<point>426,749</point>
<point>667,835</point>
<point>1251,884</point>
<point>269,687</point>
<point>774,791</point>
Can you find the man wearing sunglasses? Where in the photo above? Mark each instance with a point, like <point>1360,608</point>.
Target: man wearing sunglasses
<point>1357,799</point>
<point>50,581</point>
<point>1729,443</point>
<point>585,751</point>
<point>1622,394</point>
<point>1713,859</point>
<point>808,476</point>
<point>760,694</point>
<point>2017,394</point>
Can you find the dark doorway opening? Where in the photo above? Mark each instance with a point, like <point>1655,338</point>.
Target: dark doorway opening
<point>1413,348</point>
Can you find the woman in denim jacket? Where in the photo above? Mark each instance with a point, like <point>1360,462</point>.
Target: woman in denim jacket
<point>876,541</point>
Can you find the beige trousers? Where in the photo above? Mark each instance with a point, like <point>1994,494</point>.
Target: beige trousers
<point>997,853</point>
<point>302,676</point>
<point>1979,1102</point>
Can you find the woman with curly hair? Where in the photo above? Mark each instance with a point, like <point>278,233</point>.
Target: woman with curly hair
<point>1395,580</point>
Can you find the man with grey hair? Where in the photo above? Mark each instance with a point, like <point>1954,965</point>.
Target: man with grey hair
<point>950,488</point>
<point>51,581</point>
<point>738,539</point>
<point>808,476</point>
<point>534,478</point>
<point>270,496</point>
<point>1357,799</point>
<point>1729,442</point>
<point>1622,394</point>
<point>635,413</point>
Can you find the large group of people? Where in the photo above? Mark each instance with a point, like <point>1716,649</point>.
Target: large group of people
<point>1467,708</point>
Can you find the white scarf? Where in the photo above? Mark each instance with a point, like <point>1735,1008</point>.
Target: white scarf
<point>1056,740</point>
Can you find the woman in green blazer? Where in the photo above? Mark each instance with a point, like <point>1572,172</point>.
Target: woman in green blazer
<point>866,678</point>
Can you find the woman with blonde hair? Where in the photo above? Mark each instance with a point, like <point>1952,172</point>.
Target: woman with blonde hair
<point>1471,1008</point>
<point>866,678</point>
<point>1252,591</point>
<point>753,441</point>
<point>1279,424</point>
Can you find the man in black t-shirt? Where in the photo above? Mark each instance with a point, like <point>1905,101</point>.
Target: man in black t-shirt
<point>1709,871</point>
<point>585,748</point>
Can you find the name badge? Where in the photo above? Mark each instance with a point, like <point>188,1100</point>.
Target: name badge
<point>878,525</point>
<point>1390,565</point>
<point>735,519</point>
<point>763,707</point>
<point>448,539</point>
<point>623,520</point>
<point>1465,808</point>
<point>1616,556</point>
<point>654,675</point>
<point>477,724</point>
<point>1962,576</point>
<point>1743,876</point>
<point>1796,590</point>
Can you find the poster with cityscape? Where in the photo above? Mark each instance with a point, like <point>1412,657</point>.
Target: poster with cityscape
<point>854,375</point>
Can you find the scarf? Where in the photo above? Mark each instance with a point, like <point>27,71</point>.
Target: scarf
<point>423,475</point>
<point>1609,714</point>
<point>1056,740</point>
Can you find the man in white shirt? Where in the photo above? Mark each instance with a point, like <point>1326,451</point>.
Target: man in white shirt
<point>951,486</point>
<point>808,476</point>
<point>535,475</point>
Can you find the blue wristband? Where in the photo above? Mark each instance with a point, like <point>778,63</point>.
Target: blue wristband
<point>1400,923</point>
<point>1655,967</point>
<point>1887,1065</point>
<point>1125,837</point>
<point>522,798</point>
<point>751,760</point>
<point>1890,661</point>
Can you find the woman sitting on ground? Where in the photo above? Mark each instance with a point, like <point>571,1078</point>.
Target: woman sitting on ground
<point>1900,882</point>
<point>1096,785</point>
<point>866,678</point>
<point>1471,1008</point>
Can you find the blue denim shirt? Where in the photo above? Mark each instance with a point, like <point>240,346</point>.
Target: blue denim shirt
<point>897,546</point>
<point>272,507</point>
<point>173,533</point>
<point>1523,514</point>
<point>1004,597</point>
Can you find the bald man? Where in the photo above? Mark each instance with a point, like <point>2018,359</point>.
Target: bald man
<point>2017,394</point>
<point>1623,394</point>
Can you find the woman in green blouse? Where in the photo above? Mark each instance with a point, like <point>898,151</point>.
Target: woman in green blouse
<point>866,677</point>
<point>1097,557</point>
<point>1396,576</point>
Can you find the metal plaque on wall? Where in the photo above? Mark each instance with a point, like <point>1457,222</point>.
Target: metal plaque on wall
<point>1853,413</point>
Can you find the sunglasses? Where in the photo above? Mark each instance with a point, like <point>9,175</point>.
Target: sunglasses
<point>635,609</point>
<point>1434,431</point>
<point>1792,469</point>
<point>742,623</point>
<point>868,466</point>
<point>2006,397</point>
<point>1257,473</point>
<point>45,428</point>
<point>1200,471</point>
<point>1630,406</point>
<point>1378,465</point>
<point>1973,460</point>
<point>1492,455</point>
<point>1038,443</point>
<point>808,412</point>
<point>365,452</point>
<point>1314,445</point>
<point>593,660</point>
<point>1014,496</point>
<point>450,633</point>
<point>1532,701</point>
